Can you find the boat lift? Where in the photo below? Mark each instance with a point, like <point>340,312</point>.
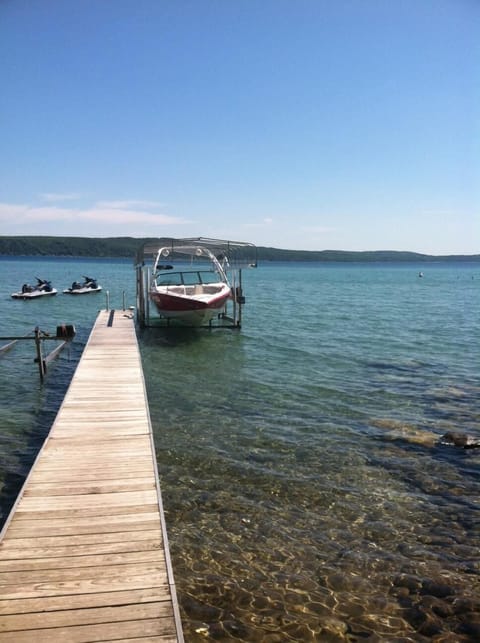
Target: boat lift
<point>239,255</point>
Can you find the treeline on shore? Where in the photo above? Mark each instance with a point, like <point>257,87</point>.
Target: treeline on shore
<point>128,247</point>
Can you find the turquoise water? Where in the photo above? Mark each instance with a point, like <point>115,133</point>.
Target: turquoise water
<point>307,494</point>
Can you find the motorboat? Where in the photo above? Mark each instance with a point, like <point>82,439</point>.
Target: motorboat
<point>194,294</point>
<point>43,288</point>
<point>89,285</point>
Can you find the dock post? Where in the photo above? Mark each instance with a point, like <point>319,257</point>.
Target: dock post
<point>138,294</point>
<point>146,297</point>
<point>234,293</point>
<point>240,298</point>
<point>38,345</point>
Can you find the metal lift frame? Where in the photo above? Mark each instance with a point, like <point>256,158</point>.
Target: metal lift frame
<point>240,255</point>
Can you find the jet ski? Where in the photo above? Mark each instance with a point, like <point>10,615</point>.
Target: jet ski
<point>43,288</point>
<point>89,285</point>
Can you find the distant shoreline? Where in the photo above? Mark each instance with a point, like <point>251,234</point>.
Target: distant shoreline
<point>126,247</point>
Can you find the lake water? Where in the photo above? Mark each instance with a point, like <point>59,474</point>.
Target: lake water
<point>307,491</point>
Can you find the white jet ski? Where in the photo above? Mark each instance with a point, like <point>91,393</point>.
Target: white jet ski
<point>89,285</point>
<point>43,288</point>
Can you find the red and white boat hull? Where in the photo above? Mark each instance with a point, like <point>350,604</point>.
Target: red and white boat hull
<point>194,310</point>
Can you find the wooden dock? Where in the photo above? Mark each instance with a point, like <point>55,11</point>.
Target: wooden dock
<point>84,553</point>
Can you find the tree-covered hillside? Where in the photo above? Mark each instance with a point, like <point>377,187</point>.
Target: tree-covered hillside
<point>128,246</point>
<point>70,246</point>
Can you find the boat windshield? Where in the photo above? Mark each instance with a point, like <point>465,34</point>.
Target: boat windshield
<point>171,279</point>
<point>188,278</point>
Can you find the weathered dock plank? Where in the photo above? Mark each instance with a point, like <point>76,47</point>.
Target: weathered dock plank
<point>84,554</point>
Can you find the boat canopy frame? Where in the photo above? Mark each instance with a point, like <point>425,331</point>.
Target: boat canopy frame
<point>228,256</point>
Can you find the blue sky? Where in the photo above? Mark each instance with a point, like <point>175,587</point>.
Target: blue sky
<point>305,124</point>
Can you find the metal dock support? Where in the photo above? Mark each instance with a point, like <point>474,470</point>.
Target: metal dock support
<point>84,553</point>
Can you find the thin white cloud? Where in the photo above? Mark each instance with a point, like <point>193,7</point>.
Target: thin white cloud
<point>97,214</point>
<point>259,224</point>
<point>126,205</point>
<point>318,229</point>
<point>118,216</point>
<point>46,213</point>
<point>10,211</point>
<point>436,214</point>
<point>54,196</point>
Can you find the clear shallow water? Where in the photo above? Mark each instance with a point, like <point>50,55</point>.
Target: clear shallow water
<point>306,494</point>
